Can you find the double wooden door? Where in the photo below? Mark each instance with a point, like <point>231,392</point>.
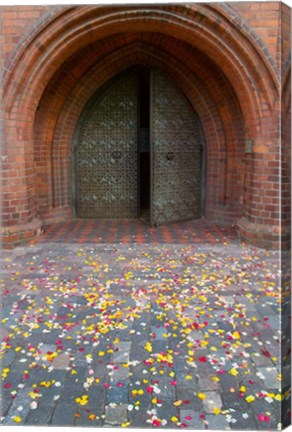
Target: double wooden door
<point>109,147</point>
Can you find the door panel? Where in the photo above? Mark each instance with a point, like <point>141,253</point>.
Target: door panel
<point>106,155</point>
<point>175,154</point>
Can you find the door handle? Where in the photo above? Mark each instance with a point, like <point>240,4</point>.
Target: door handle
<point>169,156</point>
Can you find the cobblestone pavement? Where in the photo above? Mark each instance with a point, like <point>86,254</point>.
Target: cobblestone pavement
<point>151,335</point>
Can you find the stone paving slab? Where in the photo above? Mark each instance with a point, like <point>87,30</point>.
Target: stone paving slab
<point>116,414</point>
<point>270,377</point>
<point>193,419</point>
<point>122,352</point>
<point>212,402</point>
<point>152,335</point>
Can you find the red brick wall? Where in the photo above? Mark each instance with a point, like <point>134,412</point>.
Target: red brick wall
<point>264,18</point>
<point>17,22</point>
<point>285,123</point>
<point>227,63</point>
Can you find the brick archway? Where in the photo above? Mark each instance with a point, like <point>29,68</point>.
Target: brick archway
<point>138,53</point>
<point>213,58</point>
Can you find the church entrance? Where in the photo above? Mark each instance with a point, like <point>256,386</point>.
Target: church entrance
<point>138,152</point>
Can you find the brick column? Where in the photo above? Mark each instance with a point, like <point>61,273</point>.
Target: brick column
<point>19,221</point>
<point>261,222</point>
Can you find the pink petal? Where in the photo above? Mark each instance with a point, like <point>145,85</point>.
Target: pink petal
<point>263,418</point>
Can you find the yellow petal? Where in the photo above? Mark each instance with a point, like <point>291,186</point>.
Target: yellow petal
<point>250,398</point>
<point>148,347</point>
<point>83,400</point>
<point>17,419</point>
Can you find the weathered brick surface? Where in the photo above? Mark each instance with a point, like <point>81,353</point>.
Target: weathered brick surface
<point>285,123</point>
<point>17,21</point>
<point>229,59</point>
<point>267,27</point>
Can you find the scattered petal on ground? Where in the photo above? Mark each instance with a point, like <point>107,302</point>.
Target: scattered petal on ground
<point>141,335</point>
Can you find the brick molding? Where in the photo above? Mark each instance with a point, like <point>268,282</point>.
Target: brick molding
<point>18,235</point>
<point>264,236</point>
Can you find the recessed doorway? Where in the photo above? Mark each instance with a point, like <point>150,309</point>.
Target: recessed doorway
<point>138,151</point>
